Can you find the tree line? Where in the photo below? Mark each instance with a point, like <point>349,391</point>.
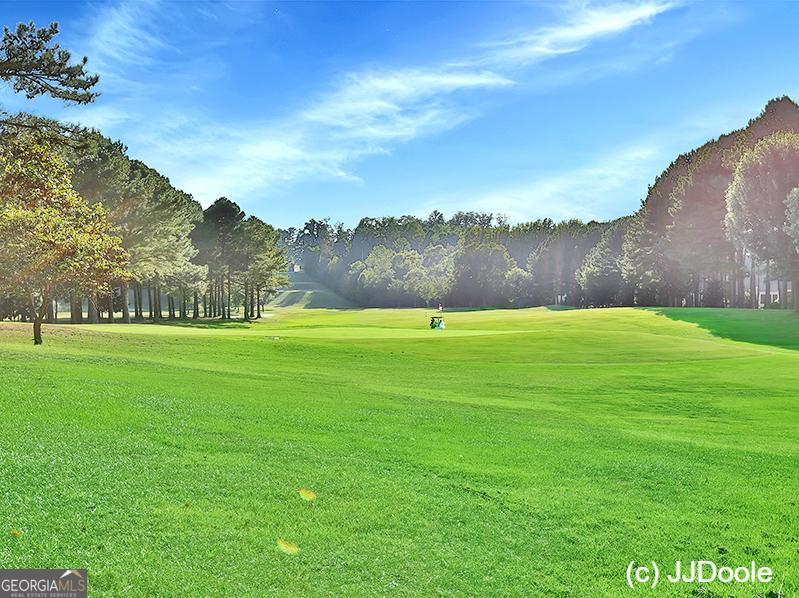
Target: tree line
<point>472,259</point>
<point>81,221</point>
<point>716,216</point>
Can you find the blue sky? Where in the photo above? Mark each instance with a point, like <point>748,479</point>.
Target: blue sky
<point>299,110</point>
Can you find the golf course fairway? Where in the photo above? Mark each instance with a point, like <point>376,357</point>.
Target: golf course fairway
<point>527,453</point>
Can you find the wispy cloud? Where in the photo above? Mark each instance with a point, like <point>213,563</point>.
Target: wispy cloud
<point>121,35</point>
<point>371,112</point>
<point>583,24</point>
<point>566,194</point>
<point>366,112</point>
<point>396,106</point>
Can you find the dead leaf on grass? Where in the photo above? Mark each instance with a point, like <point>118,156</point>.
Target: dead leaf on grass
<point>287,547</point>
<point>307,494</point>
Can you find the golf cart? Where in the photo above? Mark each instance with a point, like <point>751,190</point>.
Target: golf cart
<point>437,322</point>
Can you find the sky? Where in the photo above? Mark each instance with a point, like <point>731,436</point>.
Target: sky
<point>346,110</point>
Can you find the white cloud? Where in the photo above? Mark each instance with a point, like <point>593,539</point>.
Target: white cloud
<point>587,193</point>
<point>368,112</point>
<point>121,36</point>
<point>371,112</point>
<point>584,23</point>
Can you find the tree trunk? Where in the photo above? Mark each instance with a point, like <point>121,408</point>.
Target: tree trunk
<point>49,316</point>
<point>156,311</point>
<point>246,302</point>
<point>216,300</point>
<point>767,302</point>
<point>150,302</point>
<point>741,287</point>
<point>76,309</point>
<point>91,315</point>
<point>125,289</point>
<point>196,314</point>
<point>754,286</point>
<point>228,294</point>
<point>258,301</point>
<point>137,308</point>
<point>38,319</point>
<point>140,291</point>
<point>111,306</point>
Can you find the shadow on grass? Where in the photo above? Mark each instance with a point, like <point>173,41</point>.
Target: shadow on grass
<point>212,324</point>
<point>769,327</point>
<point>509,307</point>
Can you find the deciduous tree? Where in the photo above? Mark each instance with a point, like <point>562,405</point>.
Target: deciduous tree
<point>51,241</point>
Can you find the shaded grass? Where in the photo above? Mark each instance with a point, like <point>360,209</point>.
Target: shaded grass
<point>167,460</point>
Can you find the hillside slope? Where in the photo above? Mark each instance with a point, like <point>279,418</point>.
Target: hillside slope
<point>308,294</point>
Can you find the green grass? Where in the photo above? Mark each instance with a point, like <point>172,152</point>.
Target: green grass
<point>307,294</point>
<point>517,453</point>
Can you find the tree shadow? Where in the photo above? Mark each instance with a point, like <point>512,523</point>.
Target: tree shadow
<point>768,327</point>
<point>208,324</point>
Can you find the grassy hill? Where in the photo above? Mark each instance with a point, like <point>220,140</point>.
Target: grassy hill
<point>308,294</point>
<point>517,453</point>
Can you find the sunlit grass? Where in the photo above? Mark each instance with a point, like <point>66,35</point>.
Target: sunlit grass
<point>517,453</point>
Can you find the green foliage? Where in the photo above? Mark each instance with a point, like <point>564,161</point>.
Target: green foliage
<point>713,295</point>
<point>756,202</point>
<point>518,287</point>
<point>33,64</point>
<point>600,276</point>
<point>338,258</point>
<point>51,241</point>
<point>152,218</point>
<point>555,262</point>
<point>263,257</point>
<point>678,238</point>
<point>478,271</point>
<point>696,240</point>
